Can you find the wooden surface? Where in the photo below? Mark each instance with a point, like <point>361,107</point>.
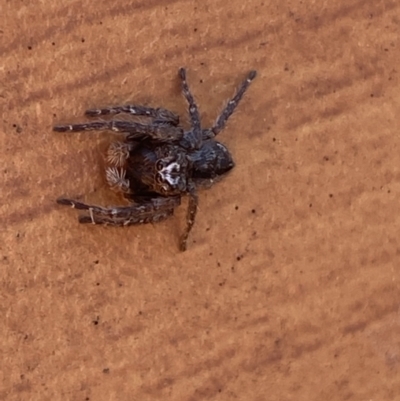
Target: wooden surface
<point>290,287</point>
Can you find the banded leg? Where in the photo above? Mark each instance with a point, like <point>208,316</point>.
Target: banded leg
<point>158,114</point>
<point>195,135</point>
<point>191,215</point>
<point>154,210</point>
<point>162,132</point>
<point>232,104</point>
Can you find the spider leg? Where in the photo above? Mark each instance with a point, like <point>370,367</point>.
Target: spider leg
<point>161,132</point>
<point>153,211</point>
<point>232,104</point>
<point>194,136</point>
<point>158,114</point>
<point>190,218</point>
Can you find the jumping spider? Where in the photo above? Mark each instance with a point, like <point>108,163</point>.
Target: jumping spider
<point>157,163</point>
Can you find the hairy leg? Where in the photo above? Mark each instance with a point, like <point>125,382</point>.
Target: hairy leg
<point>158,114</point>
<point>161,132</point>
<point>191,215</point>
<point>150,212</point>
<point>195,135</point>
<point>232,104</point>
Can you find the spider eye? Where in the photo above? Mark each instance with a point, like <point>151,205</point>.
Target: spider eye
<point>159,179</point>
<point>159,165</point>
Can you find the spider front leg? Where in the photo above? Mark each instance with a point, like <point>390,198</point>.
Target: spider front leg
<point>152,211</point>
<point>190,219</point>
<point>194,136</point>
<point>161,132</point>
<point>159,114</point>
<point>232,104</point>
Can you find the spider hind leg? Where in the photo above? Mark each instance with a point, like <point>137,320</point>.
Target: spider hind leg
<point>190,218</point>
<point>233,103</point>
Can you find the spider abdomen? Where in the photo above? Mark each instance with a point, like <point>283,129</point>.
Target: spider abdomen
<point>211,160</point>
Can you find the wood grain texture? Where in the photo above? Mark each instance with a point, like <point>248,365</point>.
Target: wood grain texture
<point>290,287</point>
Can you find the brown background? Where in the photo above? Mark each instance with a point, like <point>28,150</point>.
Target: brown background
<point>290,287</point>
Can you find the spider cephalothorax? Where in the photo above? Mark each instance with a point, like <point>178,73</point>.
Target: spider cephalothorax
<point>158,162</point>
<point>163,169</point>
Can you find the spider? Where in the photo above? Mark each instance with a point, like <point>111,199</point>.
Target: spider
<point>158,162</point>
